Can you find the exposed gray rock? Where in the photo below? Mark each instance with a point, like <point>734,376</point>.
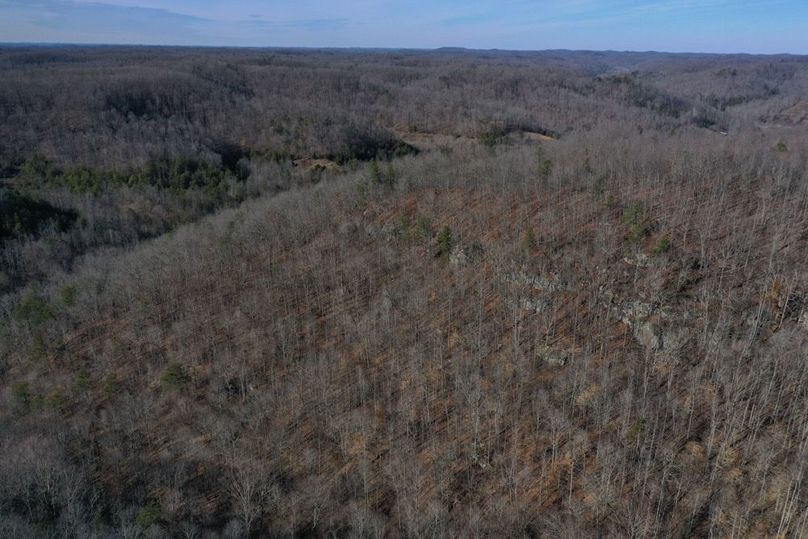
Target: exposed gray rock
<point>458,256</point>
<point>464,255</point>
<point>637,310</point>
<point>652,326</point>
<point>373,231</point>
<point>546,284</point>
<point>554,357</point>
<point>534,305</point>
<point>608,296</point>
<point>649,335</point>
<point>655,337</point>
<point>640,260</point>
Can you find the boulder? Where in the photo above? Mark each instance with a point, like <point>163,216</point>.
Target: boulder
<point>534,305</point>
<point>649,335</point>
<point>546,284</point>
<point>554,357</point>
<point>464,255</point>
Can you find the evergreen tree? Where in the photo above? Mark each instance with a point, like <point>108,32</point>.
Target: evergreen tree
<point>445,242</point>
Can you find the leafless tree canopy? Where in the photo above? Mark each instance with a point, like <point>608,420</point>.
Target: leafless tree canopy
<point>281,293</point>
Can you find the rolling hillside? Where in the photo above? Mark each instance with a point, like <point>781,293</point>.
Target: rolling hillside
<point>402,294</point>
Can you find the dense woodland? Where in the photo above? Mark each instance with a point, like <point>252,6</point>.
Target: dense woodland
<point>299,293</point>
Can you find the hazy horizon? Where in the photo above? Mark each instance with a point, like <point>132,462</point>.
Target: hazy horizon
<point>674,26</point>
<point>46,44</point>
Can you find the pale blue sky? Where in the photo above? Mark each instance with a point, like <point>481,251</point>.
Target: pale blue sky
<point>755,26</point>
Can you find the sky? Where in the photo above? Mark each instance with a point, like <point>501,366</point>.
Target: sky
<point>726,26</point>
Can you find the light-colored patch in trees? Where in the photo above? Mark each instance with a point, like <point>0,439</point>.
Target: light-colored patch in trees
<point>308,164</point>
<point>426,141</point>
<point>536,137</point>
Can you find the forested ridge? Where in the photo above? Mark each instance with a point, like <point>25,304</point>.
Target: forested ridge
<point>451,293</point>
